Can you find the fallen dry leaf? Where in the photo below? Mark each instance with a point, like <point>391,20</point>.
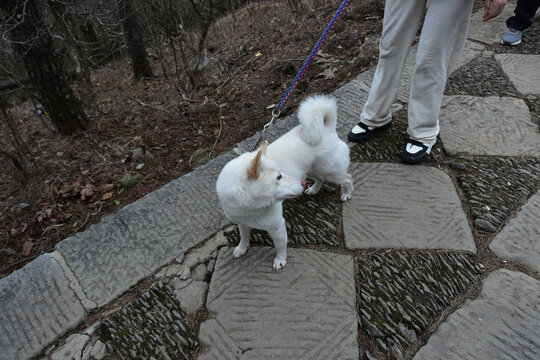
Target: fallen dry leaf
<point>9,251</point>
<point>107,196</point>
<point>27,248</point>
<point>66,190</point>
<point>106,187</point>
<point>87,191</point>
<point>329,73</point>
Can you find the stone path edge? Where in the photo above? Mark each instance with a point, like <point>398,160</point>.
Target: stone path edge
<point>35,321</point>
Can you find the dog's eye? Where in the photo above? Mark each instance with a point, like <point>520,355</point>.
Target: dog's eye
<point>279,177</point>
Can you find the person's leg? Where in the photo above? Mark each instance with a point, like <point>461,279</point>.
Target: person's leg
<point>441,42</point>
<point>400,24</point>
<point>524,12</point>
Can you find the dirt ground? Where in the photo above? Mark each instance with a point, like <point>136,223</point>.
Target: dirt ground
<point>144,134</point>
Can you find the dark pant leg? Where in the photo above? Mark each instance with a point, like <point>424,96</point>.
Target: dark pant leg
<point>524,11</point>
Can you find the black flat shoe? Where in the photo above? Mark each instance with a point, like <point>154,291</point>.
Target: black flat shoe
<point>416,151</point>
<point>356,135</point>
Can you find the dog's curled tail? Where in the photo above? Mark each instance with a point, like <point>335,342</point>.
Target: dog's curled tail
<point>317,115</point>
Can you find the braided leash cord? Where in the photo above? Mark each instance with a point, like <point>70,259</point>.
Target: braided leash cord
<point>277,110</point>
<point>312,55</point>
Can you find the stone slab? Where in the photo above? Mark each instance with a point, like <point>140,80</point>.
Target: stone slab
<point>489,32</point>
<point>488,126</point>
<point>503,323</point>
<point>128,246</point>
<point>471,51</point>
<point>37,306</point>
<point>403,206</point>
<point>522,70</point>
<point>351,99</point>
<point>306,311</point>
<point>519,240</point>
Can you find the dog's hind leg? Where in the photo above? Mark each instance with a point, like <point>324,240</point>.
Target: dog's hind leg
<point>244,241</point>
<point>347,188</point>
<point>316,187</point>
<point>279,236</point>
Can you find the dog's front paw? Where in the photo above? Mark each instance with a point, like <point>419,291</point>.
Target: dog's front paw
<point>312,190</point>
<point>279,263</point>
<point>345,197</point>
<point>239,251</point>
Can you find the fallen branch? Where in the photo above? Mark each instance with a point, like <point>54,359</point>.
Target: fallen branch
<point>218,135</point>
<point>146,105</point>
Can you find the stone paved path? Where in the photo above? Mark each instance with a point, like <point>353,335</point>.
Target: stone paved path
<point>440,261</point>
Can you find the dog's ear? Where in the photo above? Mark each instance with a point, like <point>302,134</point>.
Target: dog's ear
<point>253,169</point>
<point>263,147</point>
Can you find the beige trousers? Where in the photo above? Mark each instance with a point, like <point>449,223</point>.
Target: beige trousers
<point>441,42</point>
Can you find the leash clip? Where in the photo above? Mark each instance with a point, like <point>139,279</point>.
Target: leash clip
<point>274,116</point>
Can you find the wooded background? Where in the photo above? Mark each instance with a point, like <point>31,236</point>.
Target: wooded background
<point>102,102</point>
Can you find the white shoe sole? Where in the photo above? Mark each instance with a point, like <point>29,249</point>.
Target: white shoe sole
<point>509,43</point>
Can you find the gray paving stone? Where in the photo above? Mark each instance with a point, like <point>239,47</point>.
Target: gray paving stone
<point>306,311</point>
<point>489,32</point>
<point>488,126</point>
<point>351,100</point>
<point>403,206</point>
<point>123,248</point>
<point>73,348</point>
<point>519,239</point>
<point>503,323</point>
<point>522,70</point>
<point>471,51</point>
<point>36,306</point>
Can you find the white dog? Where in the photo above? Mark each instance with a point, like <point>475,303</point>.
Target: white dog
<point>252,187</point>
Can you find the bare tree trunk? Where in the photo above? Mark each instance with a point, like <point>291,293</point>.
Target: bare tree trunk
<point>206,14</point>
<point>14,160</point>
<point>23,159</point>
<point>73,34</point>
<point>33,44</point>
<point>135,40</point>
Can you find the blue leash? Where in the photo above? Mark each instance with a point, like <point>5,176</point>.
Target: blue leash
<point>277,110</point>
